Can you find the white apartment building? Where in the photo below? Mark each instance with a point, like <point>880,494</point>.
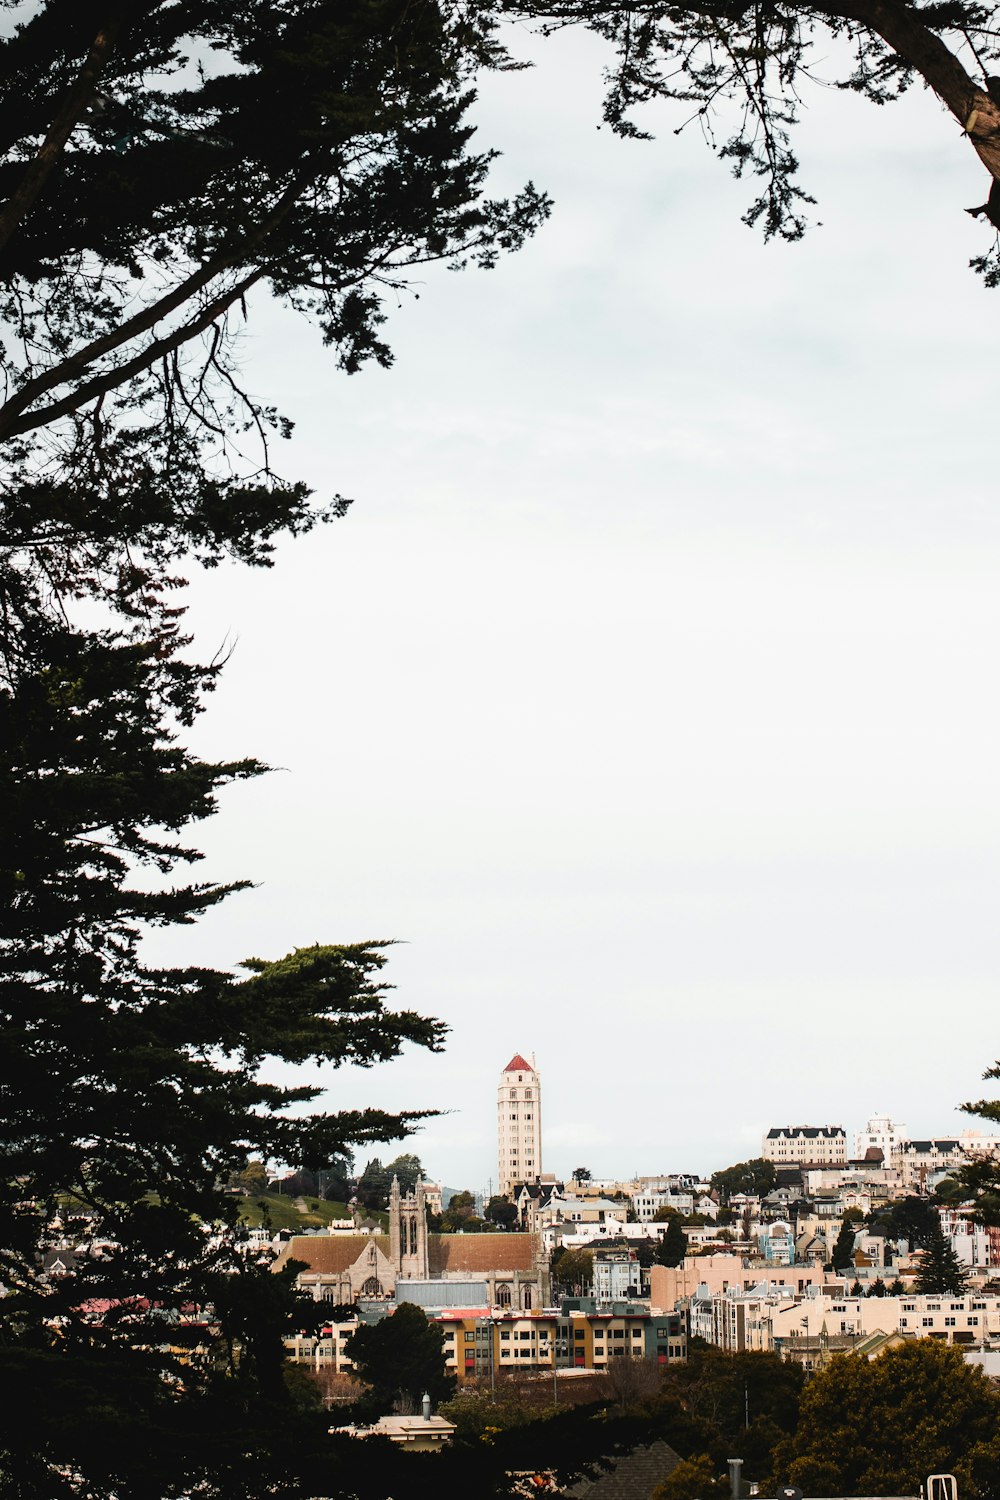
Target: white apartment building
<point>646,1202</point>
<point>882,1134</point>
<point>519,1124</point>
<point>787,1145</point>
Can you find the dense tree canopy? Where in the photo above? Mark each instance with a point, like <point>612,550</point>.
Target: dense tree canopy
<point>911,1219</point>
<point>672,1245</point>
<point>880,1427</point>
<point>401,1357</point>
<point>756,1177</point>
<point>161,163</point>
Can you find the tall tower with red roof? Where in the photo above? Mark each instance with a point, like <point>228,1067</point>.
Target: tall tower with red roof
<point>519,1124</point>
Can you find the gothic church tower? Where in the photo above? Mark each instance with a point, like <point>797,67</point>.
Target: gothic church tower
<point>408,1232</point>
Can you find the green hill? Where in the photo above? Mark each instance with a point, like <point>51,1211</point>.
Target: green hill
<point>287,1213</point>
<point>296,1213</point>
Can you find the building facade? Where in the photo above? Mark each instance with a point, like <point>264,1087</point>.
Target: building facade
<point>881,1133</point>
<point>519,1125</point>
<point>578,1336</point>
<point>791,1145</point>
<point>920,1162</point>
<point>509,1269</point>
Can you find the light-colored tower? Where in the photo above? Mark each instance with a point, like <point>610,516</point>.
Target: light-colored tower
<point>408,1232</point>
<point>519,1124</point>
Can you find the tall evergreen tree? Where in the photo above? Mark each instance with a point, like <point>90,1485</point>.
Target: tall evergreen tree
<point>940,1268</point>
<point>843,1251</point>
<point>672,1245</point>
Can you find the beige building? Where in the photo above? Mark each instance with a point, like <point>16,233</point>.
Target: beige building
<point>767,1318</point>
<point>519,1125</point>
<point>791,1145</point>
<point>917,1162</point>
<point>668,1285</point>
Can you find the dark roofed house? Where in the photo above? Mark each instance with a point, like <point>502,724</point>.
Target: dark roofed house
<point>817,1145</point>
<point>634,1476</point>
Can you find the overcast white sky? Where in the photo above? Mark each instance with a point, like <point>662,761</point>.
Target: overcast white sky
<point>648,692</point>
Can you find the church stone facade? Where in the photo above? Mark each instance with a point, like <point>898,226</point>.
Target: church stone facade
<point>342,1268</point>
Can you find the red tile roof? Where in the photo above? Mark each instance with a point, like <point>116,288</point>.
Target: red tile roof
<point>517,1064</point>
<point>329,1254</point>
<point>332,1254</point>
<point>479,1253</point>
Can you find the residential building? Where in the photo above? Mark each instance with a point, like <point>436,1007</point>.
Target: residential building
<point>581,1211</point>
<point>920,1162</point>
<point>976,1245</point>
<point>880,1134</point>
<point>578,1336</point>
<point>646,1202</point>
<point>519,1125</point>
<point>669,1285</point>
<point>766,1317</point>
<point>617,1275</point>
<point>814,1144</point>
<point>972,1319</point>
<point>420,1433</point>
<point>776,1243</point>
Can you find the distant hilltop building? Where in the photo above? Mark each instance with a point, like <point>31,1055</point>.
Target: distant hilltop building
<point>880,1134</point>
<point>817,1145</point>
<point>519,1124</point>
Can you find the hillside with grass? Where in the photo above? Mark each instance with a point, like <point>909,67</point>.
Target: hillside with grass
<point>297,1214</point>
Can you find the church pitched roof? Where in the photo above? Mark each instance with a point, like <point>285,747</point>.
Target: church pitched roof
<point>517,1064</point>
<point>447,1253</point>
<point>329,1254</point>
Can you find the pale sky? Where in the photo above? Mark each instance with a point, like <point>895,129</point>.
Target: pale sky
<point>647,694</point>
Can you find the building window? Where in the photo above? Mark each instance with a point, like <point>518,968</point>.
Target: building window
<point>903,1322</point>
<point>972,1322</point>
<point>927,1322</point>
<point>949,1322</point>
<point>469,1336</point>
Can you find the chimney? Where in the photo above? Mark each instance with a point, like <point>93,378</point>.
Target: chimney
<point>425,1407</point>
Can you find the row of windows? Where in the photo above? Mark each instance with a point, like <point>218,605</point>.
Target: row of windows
<point>950,1322</point>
